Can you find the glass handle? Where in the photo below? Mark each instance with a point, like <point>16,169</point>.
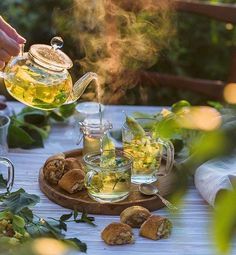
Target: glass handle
<point>88,179</point>
<point>11,172</point>
<point>170,150</point>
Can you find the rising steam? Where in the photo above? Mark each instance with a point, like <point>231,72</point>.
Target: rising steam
<point>118,37</point>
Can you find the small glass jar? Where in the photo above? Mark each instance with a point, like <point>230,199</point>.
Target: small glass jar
<point>93,130</point>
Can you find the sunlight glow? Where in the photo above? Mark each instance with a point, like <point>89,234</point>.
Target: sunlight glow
<point>230,93</point>
<point>49,246</point>
<point>199,117</point>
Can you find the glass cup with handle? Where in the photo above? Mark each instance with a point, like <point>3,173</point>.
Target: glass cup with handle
<point>4,125</point>
<point>110,182</point>
<point>148,152</point>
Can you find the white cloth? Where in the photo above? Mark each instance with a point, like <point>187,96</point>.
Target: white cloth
<point>215,175</point>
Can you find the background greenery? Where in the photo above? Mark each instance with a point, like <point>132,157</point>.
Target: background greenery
<point>200,48</point>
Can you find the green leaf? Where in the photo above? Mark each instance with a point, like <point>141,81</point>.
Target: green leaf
<point>141,115</point>
<point>76,243</point>
<point>75,214</point>
<point>54,229</point>
<point>56,116</point>
<point>86,219</point>
<point>62,225</point>
<point>19,200</point>
<point>18,137</point>
<point>18,224</point>
<point>135,128</point>
<point>44,228</point>
<point>177,106</point>
<point>38,118</point>
<point>167,128</point>
<point>27,214</point>
<point>217,105</point>
<point>28,109</point>
<point>224,221</point>
<point>5,215</point>
<point>3,182</point>
<point>67,110</point>
<point>108,154</point>
<point>37,137</point>
<point>65,217</point>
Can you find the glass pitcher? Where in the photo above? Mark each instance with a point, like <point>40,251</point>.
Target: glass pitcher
<point>40,78</point>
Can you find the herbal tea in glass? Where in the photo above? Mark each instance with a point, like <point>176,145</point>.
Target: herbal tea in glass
<point>108,180</point>
<point>146,149</point>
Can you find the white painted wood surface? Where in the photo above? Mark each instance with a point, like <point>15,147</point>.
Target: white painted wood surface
<point>192,226</point>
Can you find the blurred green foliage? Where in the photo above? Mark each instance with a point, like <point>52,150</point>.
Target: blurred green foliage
<point>201,47</point>
<point>33,19</point>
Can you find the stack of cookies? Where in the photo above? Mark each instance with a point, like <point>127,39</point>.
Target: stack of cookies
<point>66,172</point>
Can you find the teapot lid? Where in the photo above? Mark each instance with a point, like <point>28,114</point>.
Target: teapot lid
<point>51,57</point>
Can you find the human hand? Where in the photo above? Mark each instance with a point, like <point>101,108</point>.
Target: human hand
<point>10,42</point>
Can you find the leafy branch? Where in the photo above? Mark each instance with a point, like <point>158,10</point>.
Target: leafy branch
<point>18,223</point>
<point>30,127</point>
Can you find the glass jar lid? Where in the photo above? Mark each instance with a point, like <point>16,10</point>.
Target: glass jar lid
<point>94,125</point>
<point>51,57</point>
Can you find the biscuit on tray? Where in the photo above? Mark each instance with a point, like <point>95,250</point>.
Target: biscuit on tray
<point>53,168</point>
<point>72,163</point>
<point>134,216</point>
<point>72,181</point>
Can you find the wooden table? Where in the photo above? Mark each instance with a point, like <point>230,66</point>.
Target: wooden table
<point>191,233</point>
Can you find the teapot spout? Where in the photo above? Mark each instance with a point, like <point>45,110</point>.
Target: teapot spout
<point>82,84</point>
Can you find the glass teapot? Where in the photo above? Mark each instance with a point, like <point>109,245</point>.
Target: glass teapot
<point>40,78</point>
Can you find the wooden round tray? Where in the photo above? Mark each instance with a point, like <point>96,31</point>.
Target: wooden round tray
<point>82,202</point>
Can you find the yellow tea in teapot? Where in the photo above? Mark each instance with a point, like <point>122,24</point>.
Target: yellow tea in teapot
<point>37,87</point>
